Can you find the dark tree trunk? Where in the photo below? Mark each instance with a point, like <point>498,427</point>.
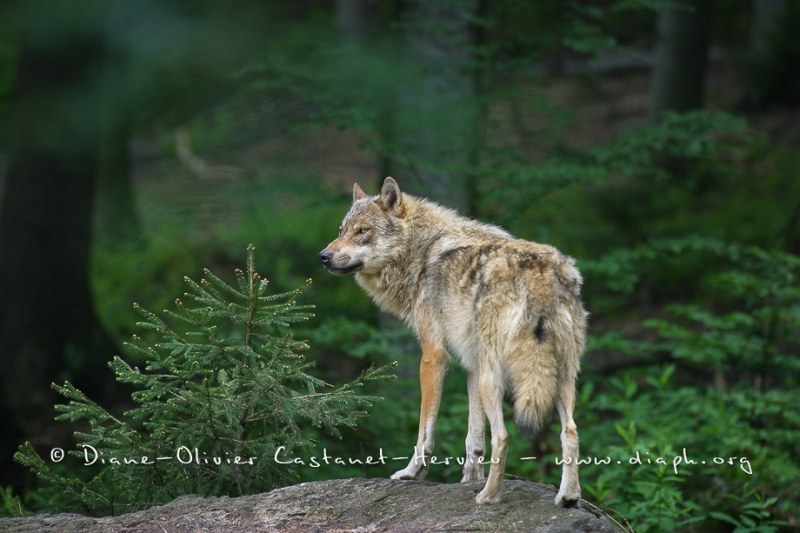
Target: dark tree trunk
<point>678,80</point>
<point>48,329</point>
<point>774,54</point>
<point>435,128</point>
<point>352,18</point>
<point>116,220</point>
<point>767,16</point>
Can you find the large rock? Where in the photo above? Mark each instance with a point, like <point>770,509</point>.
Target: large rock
<point>343,505</point>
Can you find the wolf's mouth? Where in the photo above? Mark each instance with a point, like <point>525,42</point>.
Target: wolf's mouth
<point>341,271</point>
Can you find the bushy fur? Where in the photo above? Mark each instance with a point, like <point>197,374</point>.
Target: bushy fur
<point>508,309</point>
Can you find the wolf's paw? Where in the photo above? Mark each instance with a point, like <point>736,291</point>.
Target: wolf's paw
<point>483,497</point>
<point>567,499</point>
<point>401,474</point>
<point>410,474</point>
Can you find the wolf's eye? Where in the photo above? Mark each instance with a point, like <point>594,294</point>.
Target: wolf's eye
<point>362,231</point>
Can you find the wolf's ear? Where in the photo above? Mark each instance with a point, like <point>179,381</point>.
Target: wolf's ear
<point>391,197</point>
<point>358,194</point>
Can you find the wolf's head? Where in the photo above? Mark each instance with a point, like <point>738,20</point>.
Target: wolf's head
<point>370,234</point>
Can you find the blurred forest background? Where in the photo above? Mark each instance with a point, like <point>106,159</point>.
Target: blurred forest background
<point>656,142</point>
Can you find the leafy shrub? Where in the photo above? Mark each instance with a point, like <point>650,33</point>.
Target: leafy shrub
<point>712,392</point>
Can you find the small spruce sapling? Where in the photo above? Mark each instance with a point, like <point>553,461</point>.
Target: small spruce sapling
<point>214,401</point>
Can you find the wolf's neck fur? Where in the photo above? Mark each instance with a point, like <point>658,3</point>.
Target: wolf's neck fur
<point>396,286</point>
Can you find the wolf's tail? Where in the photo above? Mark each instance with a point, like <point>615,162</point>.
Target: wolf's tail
<point>539,363</point>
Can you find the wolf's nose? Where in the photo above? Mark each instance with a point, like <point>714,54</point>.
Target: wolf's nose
<point>325,256</point>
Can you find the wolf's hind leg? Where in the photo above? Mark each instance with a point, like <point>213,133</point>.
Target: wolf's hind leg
<point>491,393</point>
<point>475,442</point>
<point>431,376</point>
<point>570,491</point>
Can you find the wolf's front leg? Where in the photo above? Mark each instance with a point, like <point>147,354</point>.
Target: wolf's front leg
<point>431,376</point>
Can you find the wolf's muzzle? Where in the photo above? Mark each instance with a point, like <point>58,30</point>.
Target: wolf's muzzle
<point>326,257</point>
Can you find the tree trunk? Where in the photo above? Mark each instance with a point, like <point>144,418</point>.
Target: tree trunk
<point>774,54</point>
<point>432,125</point>
<point>48,329</point>
<point>766,22</point>
<point>352,18</point>
<point>678,79</point>
<point>116,220</point>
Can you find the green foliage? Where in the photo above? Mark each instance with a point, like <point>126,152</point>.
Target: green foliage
<point>360,340</point>
<point>712,391</point>
<point>11,503</point>
<point>221,392</point>
<point>653,496</point>
<point>212,221</point>
<point>753,516</point>
<point>644,152</point>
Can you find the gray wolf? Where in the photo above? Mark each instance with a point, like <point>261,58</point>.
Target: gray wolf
<point>508,309</point>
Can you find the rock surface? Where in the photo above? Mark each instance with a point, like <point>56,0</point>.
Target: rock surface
<point>342,505</point>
